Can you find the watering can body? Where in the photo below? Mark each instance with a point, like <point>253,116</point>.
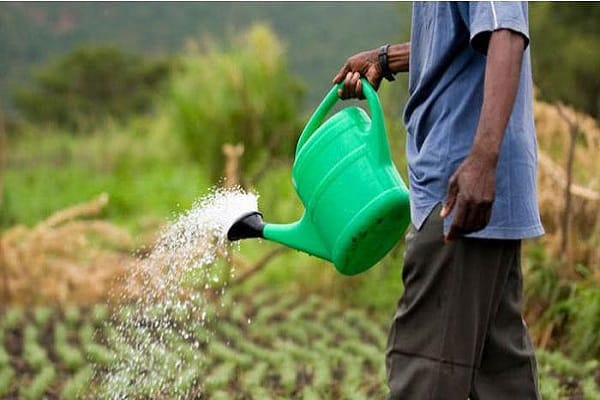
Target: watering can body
<point>356,204</point>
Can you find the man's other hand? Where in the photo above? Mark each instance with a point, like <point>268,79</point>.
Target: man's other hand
<point>364,64</point>
<point>471,191</point>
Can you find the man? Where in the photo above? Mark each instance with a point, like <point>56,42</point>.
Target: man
<point>472,153</point>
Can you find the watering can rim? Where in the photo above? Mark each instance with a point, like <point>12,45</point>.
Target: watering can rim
<point>317,119</point>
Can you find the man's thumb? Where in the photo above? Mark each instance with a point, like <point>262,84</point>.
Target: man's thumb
<point>450,200</point>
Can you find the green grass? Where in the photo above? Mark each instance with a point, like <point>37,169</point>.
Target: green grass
<point>139,165</point>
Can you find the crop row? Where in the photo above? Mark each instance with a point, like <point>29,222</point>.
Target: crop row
<point>272,345</point>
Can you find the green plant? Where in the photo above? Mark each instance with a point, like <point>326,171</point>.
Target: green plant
<point>42,315</point>
<point>69,355</point>
<point>253,100</point>
<point>40,383</point>
<point>34,354</point>
<point>72,315</point>
<point>7,375</point>
<point>13,317</point>
<point>584,321</point>
<point>76,385</point>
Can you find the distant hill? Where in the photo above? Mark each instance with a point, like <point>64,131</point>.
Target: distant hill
<point>319,36</point>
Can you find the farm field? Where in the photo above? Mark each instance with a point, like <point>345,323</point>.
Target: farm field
<point>268,345</point>
<point>106,143</point>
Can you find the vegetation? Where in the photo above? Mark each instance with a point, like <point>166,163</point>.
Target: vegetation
<point>265,344</point>
<point>79,197</point>
<point>254,100</point>
<point>90,85</point>
<point>564,37</point>
<point>317,35</point>
<point>564,58</point>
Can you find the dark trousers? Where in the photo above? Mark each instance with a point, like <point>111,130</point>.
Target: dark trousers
<point>458,331</point>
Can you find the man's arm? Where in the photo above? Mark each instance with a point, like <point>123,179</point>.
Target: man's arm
<point>471,189</point>
<point>366,64</point>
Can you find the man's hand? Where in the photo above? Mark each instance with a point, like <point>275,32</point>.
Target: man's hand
<point>364,64</point>
<point>471,190</point>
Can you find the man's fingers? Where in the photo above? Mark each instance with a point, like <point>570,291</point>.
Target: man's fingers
<point>470,217</point>
<point>474,220</point>
<point>359,91</point>
<point>372,76</point>
<point>344,92</point>
<point>459,220</point>
<point>450,198</point>
<point>351,86</point>
<point>341,74</point>
<point>454,232</point>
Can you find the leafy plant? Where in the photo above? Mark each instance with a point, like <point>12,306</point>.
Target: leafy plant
<point>76,385</point>
<point>34,354</point>
<point>40,383</point>
<point>253,100</point>
<point>69,355</point>
<point>7,375</point>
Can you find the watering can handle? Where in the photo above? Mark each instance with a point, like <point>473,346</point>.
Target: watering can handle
<point>377,121</point>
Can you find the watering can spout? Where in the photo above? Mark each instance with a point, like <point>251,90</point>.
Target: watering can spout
<point>300,235</point>
<point>249,225</point>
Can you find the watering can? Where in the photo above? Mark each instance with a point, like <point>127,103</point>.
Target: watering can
<point>356,204</point>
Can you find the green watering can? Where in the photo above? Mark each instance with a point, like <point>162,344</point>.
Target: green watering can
<point>356,205</point>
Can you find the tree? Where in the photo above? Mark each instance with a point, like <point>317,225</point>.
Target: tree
<point>91,84</point>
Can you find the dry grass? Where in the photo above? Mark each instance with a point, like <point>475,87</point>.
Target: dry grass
<point>584,225</point>
<point>65,259</point>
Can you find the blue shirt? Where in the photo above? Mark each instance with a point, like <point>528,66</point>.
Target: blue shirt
<point>447,65</point>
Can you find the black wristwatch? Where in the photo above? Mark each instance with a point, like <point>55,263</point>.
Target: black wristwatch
<point>384,63</point>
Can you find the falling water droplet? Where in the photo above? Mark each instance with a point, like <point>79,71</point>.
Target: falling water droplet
<point>157,322</point>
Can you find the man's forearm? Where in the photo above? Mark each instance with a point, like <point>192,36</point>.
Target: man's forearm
<point>399,57</point>
<point>502,73</point>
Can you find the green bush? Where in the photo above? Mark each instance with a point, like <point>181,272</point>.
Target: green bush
<point>90,84</point>
<point>244,94</point>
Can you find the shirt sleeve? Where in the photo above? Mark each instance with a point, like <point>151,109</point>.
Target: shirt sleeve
<point>486,17</point>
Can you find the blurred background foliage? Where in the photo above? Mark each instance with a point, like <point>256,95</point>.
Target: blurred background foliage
<point>565,55</point>
<point>240,92</point>
<point>138,101</point>
<point>89,85</point>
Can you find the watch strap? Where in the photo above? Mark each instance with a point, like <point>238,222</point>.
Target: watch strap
<point>384,63</point>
